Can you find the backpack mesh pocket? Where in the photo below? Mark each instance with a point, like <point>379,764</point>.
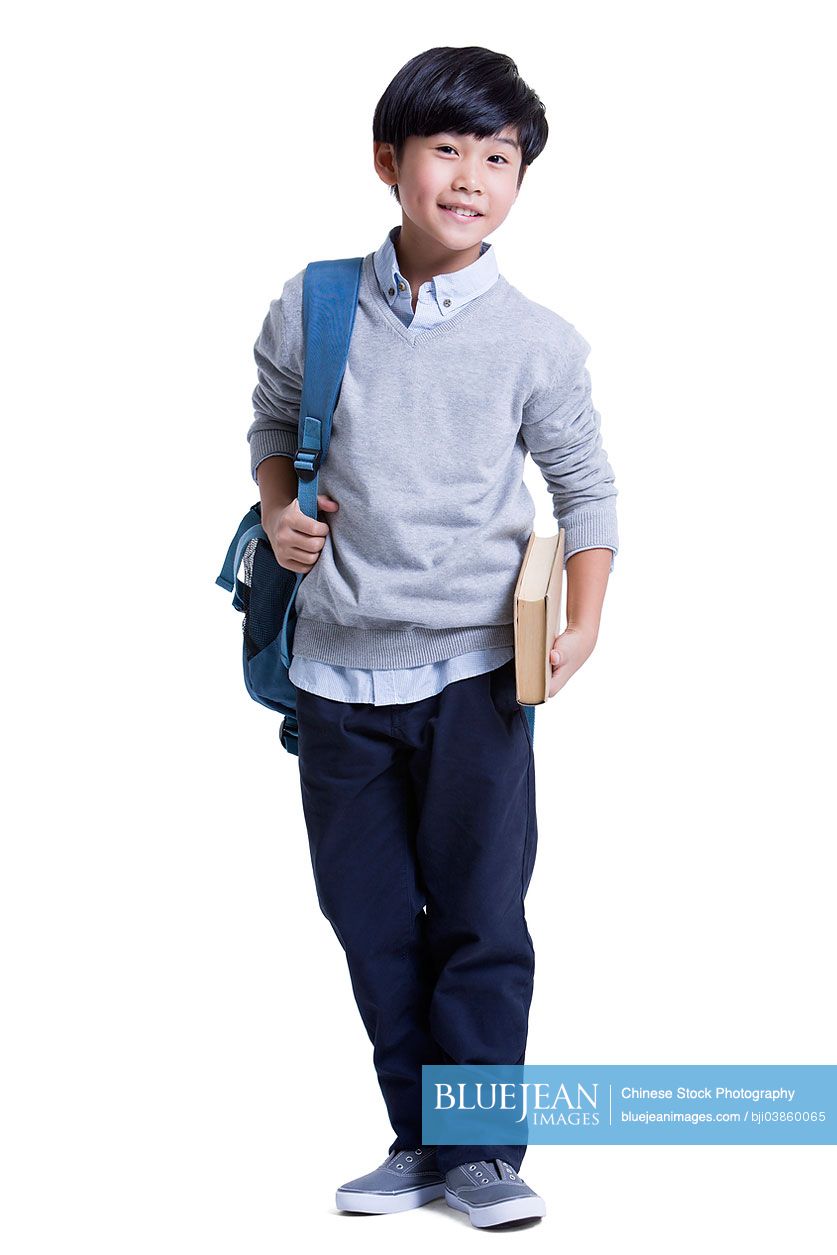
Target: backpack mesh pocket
<point>266,590</point>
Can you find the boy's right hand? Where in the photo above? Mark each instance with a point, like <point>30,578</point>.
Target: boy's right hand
<point>297,539</point>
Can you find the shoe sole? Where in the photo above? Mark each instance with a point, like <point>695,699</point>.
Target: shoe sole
<point>384,1204</point>
<point>498,1213</point>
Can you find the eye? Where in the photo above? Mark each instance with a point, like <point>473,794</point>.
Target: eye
<point>451,148</point>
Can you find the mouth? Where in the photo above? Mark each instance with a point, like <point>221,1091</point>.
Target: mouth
<point>462,212</point>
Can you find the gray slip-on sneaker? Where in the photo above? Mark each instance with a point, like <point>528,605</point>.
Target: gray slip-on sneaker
<point>406,1178</point>
<point>491,1192</point>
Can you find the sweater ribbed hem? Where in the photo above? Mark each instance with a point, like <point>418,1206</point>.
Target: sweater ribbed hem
<point>386,648</point>
<point>591,529</point>
<point>267,442</point>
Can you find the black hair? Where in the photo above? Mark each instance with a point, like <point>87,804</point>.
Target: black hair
<point>467,91</point>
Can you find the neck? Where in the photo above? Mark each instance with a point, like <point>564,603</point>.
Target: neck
<point>421,257</point>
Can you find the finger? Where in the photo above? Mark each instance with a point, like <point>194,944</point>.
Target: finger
<point>302,522</point>
<point>305,543</point>
<point>306,556</point>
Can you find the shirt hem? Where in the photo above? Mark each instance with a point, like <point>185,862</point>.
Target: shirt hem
<point>386,648</point>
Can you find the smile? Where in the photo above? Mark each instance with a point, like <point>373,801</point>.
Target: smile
<point>460,213</point>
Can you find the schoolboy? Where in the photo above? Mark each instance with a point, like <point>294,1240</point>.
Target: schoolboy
<point>416,762</point>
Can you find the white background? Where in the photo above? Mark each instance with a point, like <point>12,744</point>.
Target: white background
<point>183,1065</point>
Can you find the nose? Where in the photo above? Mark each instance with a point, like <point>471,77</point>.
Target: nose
<point>468,179</point>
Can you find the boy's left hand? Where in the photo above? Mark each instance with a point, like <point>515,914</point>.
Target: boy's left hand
<point>572,648</point>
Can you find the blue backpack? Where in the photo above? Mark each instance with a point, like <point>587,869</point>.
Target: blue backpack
<point>266,594</point>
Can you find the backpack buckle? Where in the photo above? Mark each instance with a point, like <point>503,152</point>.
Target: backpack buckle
<point>307,463</point>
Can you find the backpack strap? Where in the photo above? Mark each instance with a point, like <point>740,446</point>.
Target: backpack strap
<point>329,304</point>
<point>249,527</point>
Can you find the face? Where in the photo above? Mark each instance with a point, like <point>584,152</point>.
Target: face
<point>451,169</point>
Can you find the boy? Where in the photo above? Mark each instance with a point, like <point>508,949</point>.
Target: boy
<point>416,763</point>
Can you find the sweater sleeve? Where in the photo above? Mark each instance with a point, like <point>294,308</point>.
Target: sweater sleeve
<point>561,429</point>
<point>278,393</point>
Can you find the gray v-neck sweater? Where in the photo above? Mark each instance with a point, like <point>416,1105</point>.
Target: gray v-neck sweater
<point>428,443</point>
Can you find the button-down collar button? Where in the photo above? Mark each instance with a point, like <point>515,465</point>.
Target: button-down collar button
<point>392,291</point>
<point>446,301</point>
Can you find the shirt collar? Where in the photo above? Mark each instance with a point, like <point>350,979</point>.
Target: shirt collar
<point>457,288</point>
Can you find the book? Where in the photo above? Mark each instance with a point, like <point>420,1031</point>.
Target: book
<point>537,613</point>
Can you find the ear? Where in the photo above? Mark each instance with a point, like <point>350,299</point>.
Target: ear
<point>383,156</point>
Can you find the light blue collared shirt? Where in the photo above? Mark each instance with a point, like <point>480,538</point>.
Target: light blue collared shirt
<point>440,297</point>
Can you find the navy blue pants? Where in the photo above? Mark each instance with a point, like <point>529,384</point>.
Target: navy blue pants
<point>422,827</point>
